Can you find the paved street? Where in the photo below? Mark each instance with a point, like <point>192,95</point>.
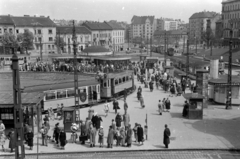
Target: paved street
<point>142,155</point>
<point>218,130</point>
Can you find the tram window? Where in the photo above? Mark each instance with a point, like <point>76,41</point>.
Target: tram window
<point>50,96</point>
<point>108,83</point>
<point>101,82</point>
<point>70,93</point>
<point>81,90</point>
<point>120,80</point>
<point>105,84</point>
<point>98,88</point>
<point>127,78</point>
<point>6,113</point>
<point>116,81</point>
<point>124,79</point>
<point>61,94</point>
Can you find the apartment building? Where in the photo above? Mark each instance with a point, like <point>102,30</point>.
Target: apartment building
<point>198,24</point>
<point>143,27</point>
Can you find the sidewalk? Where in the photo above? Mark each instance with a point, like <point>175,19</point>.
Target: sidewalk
<point>218,130</point>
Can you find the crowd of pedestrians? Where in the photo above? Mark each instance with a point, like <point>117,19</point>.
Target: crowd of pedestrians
<point>64,66</point>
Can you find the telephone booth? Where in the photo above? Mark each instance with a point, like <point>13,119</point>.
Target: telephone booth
<point>169,70</point>
<point>69,117</point>
<point>195,101</point>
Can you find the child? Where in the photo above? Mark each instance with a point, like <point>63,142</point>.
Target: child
<point>106,108</point>
<point>74,135</point>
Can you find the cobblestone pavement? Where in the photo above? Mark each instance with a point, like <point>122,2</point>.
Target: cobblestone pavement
<point>142,155</point>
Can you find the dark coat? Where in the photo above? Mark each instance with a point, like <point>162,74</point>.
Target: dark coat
<point>12,141</point>
<point>98,122</point>
<point>110,136</point>
<point>115,105</point>
<point>62,138</point>
<point>118,120</point>
<point>166,135</point>
<point>129,136</point>
<point>151,85</point>
<point>30,136</point>
<point>140,134</point>
<point>94,120</point>
<point>168,104</point>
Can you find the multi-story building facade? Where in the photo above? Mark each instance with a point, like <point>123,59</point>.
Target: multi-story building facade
<point>43,29</point>
<point>219,31</point>
<point>101,33</point>
<point>198,24</point>
<point>230,20</point>
<point>83,36</point>
<point>143,27</point>
<point>171,37</point>
<point>118,35</point>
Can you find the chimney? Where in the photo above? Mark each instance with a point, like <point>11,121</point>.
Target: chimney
<point>48,17</point>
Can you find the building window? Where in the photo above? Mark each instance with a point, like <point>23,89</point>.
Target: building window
<point>39,39</point>
<point>17,31</point>
<point>49,47</point>
<point>39,31</point>
<point>50,39</point>
<point>52,46</point>
<point>0,30</point>
<point>10,30</point>
<point>5,30</point>
<point>49,31</point>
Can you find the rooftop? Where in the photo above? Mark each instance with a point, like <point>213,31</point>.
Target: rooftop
<point>69,30</point>
<point>27,98</point>
<point>27,21</point>
<point>223,79</point>
<point>28,79</point>
<point>170,32</point>
<point>97,25</point>
<point>6,20</point>
<point>114,25</point>
<point>95,49</point>
<point>141,19</point>
<point>204,14</point>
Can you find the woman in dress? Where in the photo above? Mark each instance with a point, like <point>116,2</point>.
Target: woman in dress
<point>101,136</point>
<point>30,136</point>
<point>123,136</point>
<point>2,140</point>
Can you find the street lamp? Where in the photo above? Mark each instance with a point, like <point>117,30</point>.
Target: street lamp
<point>165,51</point>
<point>229,85</point>
<point>196,43</point>
<point>187,57</point>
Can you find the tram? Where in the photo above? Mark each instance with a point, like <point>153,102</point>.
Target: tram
<point>115,60</point>
<point>64,94</point>
<point>114,84</point>
<point>70,59</point>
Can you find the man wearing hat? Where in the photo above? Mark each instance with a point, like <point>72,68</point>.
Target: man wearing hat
<point>56,133</point>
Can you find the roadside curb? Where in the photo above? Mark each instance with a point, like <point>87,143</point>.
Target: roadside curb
<point>119,151</point>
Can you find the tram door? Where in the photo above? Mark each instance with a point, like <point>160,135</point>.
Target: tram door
<point>90,95</point>
<point>112,87</point>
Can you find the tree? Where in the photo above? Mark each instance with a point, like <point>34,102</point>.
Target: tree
<point>208,36</point>
<point>9,40</point>
<point>26,40</point>
<point>59,42</point>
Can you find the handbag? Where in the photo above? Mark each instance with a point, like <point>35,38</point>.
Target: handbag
<point>83,138</point>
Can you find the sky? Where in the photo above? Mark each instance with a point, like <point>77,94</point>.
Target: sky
<point>100,10</point>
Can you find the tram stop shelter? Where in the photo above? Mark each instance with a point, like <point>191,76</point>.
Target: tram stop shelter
<point>69,117</point>
<point>32,106</point>
<point>195,110</point>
